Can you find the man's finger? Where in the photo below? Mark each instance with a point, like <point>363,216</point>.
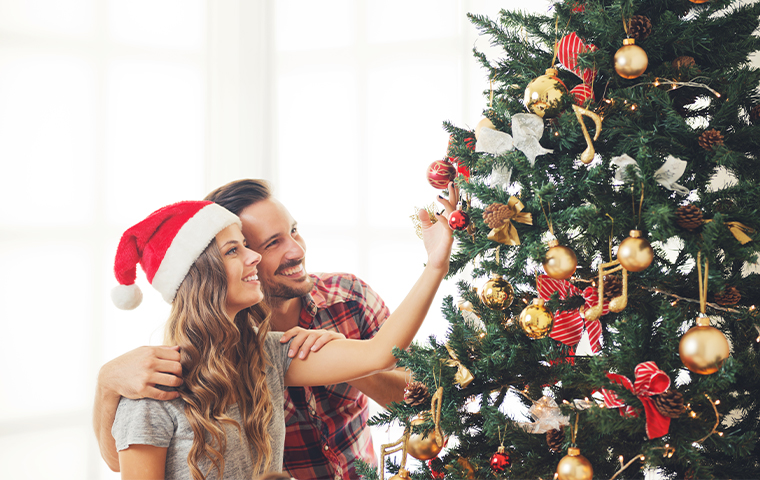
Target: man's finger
<point>168,366</point>
<point>307,346</point>
<point>297,341</point>
<point>166,380</point>
<point>158,394</point>
<point>168,353</point>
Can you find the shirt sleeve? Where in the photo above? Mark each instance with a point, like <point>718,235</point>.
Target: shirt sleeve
<point>142,422</point>
<point>375,310</point>
<point>278,354</point>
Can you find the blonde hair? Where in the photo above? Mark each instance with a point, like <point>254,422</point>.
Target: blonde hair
<point>223,363</point>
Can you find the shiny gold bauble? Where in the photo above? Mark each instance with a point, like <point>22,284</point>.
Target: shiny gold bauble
<point>698,2</point>
<point>485,123</point>
<point>401,475</point>
<point>424,448</point>
<point>543,94</point>
<point>574,466</point>
<point>497,293</point>
<point>703,349</point>
<point>535,320</point>
<point>630,60</point>
<point>560,262</point>
<point>635,253</point>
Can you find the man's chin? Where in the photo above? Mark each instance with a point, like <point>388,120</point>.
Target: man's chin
<point>291,289</point>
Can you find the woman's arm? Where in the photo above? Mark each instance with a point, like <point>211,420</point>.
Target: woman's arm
<point>142,462</point>
<point>345,360</point>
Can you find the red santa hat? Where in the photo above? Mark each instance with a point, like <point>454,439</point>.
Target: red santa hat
<point>166,244</point>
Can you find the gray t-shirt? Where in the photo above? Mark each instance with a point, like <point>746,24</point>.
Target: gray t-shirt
<point>163,424</point>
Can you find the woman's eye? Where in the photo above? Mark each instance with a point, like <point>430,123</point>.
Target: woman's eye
<point>232,251</point>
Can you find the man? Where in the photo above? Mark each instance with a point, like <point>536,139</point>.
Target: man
<point>325,426</point>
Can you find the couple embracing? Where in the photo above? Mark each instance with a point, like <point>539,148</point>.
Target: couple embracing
<point>227,397</point>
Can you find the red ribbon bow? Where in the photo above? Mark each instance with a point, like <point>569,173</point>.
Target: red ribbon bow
<point>461,168</point>
<point>569,324</point>
<point>567,52</point>
<point>649,381</point>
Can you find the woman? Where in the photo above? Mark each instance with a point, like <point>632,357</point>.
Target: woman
<point>228,421</point>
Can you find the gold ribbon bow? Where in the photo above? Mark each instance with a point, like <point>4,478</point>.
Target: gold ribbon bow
<point>739,230</point>
<point>506,233</point>
<point>463,376</point>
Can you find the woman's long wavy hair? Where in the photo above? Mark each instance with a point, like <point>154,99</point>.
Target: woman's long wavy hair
<point>223,363</point>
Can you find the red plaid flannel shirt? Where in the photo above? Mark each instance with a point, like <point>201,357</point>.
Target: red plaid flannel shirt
<point>326,426</point>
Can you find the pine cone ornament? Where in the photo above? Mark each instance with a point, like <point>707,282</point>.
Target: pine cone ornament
<point>754,114</point>
<point>710,138</point>
<point>495,214</point>
<point>683,62</point>
<point>555,438</point>
<point>416,394</point>
<point>724,205</point>
<point>639,27</point>
<point>689,217</point>
<point>729,296</point>
<point>669,403</point>
<point>613,286</point>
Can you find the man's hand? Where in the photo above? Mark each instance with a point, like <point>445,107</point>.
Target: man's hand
<point>305,341</point>
<point>133,375</point>
<point>136,373</point>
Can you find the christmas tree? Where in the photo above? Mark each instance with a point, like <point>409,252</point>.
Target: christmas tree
<point>607,233</point>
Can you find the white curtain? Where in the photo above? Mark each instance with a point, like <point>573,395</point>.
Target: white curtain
<point>110,109</point>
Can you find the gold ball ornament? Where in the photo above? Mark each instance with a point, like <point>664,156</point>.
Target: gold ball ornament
<point>699,2</point>
<point>424,448</point>
<point>485,123</point>
<point>535,320</point>
<point>574,466</point>
<point>401,475</point>
<point>497,293</point>
<point>630,60</point>
<point>635,253</point>
<point>703,349</point>
<point>560,261</point>
<point>543,94</point>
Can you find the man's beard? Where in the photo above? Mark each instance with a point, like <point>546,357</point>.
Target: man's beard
<point>275,292</point>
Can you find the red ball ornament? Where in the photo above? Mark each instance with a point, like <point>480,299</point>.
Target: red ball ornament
<point>437,470</point>
<point>458,220</point>
<point>440,173</point>
<point>500,460</point>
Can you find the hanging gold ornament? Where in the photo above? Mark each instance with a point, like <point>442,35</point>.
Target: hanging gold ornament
<point>401,475</point>
<point>635,253</point>
<point>497,293</point>
<point>560,261</point>
<point>543,94</point>
<point>535,320</point>
<point>704,348</point>
<point>485,123</point>
<point>699,2</point>
<point>574,466</point>
<point>630,60</point>
<point>432,444</point>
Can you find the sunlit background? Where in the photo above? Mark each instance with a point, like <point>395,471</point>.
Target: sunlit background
<point>110,109</point>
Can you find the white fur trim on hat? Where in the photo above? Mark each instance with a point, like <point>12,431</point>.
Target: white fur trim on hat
<point>188,244</point>
<point>126,297</point>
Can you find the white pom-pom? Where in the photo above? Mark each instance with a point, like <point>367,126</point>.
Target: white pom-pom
<point>126,297</point>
